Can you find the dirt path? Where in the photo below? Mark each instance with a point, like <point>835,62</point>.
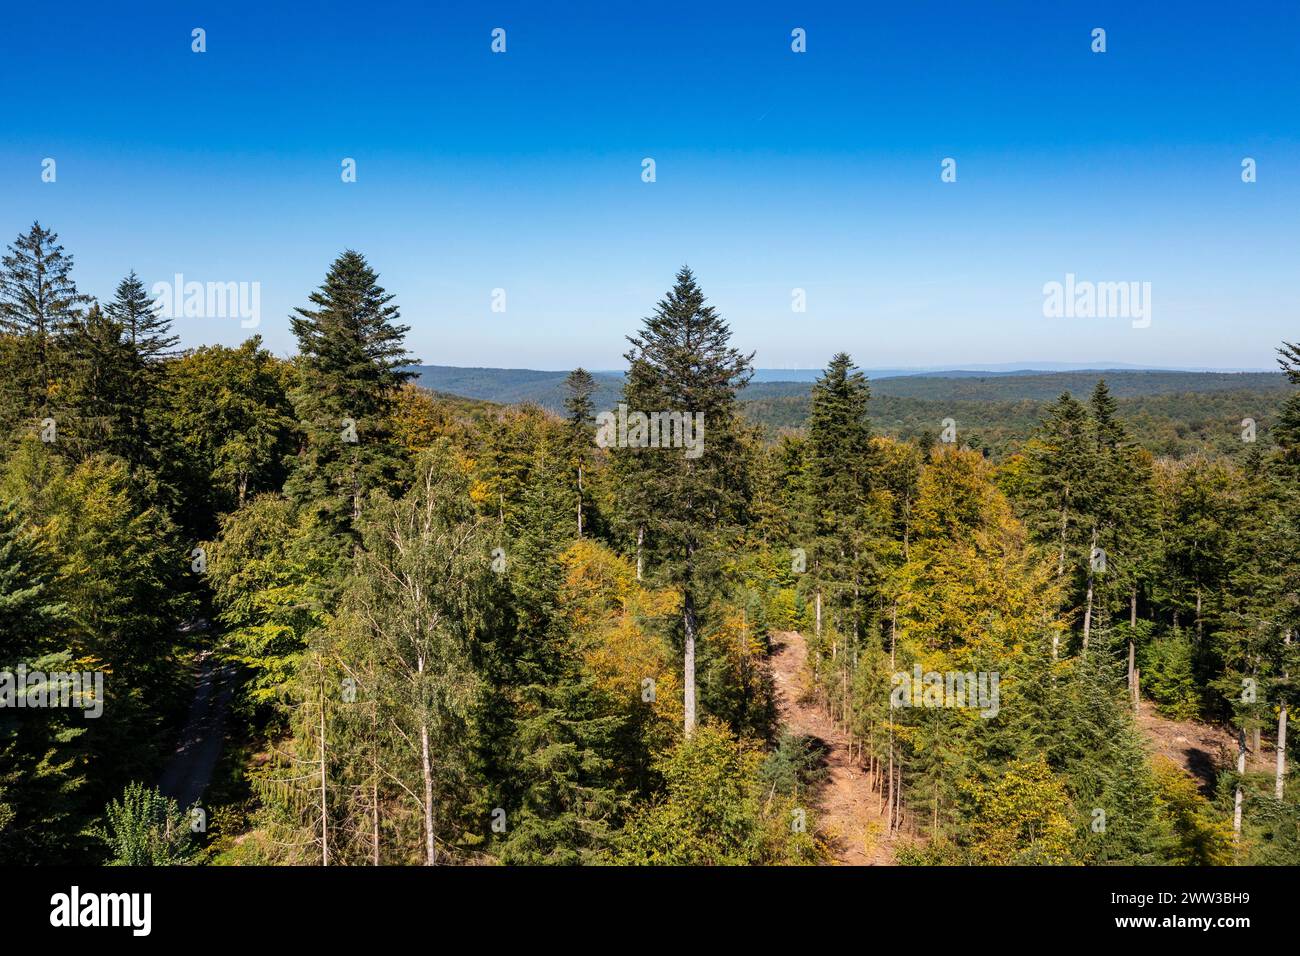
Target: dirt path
<point>188,772</point>
<point>1203,750</point>
<point>849,818</point>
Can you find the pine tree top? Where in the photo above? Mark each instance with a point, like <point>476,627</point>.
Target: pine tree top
<point>684,348</point>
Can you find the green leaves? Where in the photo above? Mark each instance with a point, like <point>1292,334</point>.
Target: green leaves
<point>144,828</point>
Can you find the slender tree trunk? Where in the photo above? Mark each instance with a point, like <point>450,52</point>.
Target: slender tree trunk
<point>374,821</point>
<point>640,538</point>
<point>374,785</point>
<point>1132,676</point>
<point>898,798</point>
<point>579,501</point>
<point>890,798</point>
<point>426,770</point>
<point>893,634</point>
<point>1132,639</point>
<point>688,620</point>
<point>1241,770</point>
<point>1279,781</point>
<point>426,766</point>
<point>324,811</point>
<point>1092,571</point>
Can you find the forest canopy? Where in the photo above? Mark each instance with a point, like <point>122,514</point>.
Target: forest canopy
<point>449,631</point>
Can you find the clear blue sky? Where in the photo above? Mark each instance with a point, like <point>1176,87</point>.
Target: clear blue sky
<point>775,170</point>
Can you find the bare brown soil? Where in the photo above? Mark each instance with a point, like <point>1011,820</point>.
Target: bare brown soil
<point>850,820</point>
<point>1200,749</point>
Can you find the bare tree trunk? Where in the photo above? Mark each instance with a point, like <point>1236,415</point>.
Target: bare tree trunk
<point>890,797</point>
<point>1279,781</point>
<point>688,620</point>
<point>1241,770</point>
<point>1132,640</point>
<point>426,766</point>
<point>374,784</point>
<point>898,798</point>
<point>426,769</point>
<point>893,634</point>
<point>324,812</point>
<point>580,501</point>
<point>1092,571</point>
<point>640,538</point>
<point>819,615</point>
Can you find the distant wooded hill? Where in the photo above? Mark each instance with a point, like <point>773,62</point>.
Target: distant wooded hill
<point>1171,413</point>
<point>510,386</point>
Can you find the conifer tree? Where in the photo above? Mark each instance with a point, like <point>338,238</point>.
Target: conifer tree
<point>147,334</point>
<point>145,328</point>
<point>97,402</point>
<point>30,613</point>
<point>1119,513</point>
<point>842,470</point>
<point>1061,475</point>
<point>682,361</point>
<point>351,364</point>
<point>579,387</point>
<point>42,761</point>
<point>38,302</point>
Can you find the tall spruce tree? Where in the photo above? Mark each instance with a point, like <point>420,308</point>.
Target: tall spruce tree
<point>683,507</point>
<point>1061,480</point>
<point>842,467</point>
<point>147,334</point>
<point>38,302</point>
<point>145,328</point>
<point>1119,514</point>
<point>352,361</point>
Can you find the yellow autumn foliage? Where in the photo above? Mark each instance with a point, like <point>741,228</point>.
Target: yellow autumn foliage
<point>608,612</point>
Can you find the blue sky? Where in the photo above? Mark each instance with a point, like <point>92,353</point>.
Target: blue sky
<point>775,170</point>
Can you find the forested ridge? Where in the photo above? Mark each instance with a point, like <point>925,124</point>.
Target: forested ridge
<point>1171,414</point>
<point>466,633</point>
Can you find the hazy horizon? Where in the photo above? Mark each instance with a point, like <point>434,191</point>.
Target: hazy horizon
<point>991,368</point>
